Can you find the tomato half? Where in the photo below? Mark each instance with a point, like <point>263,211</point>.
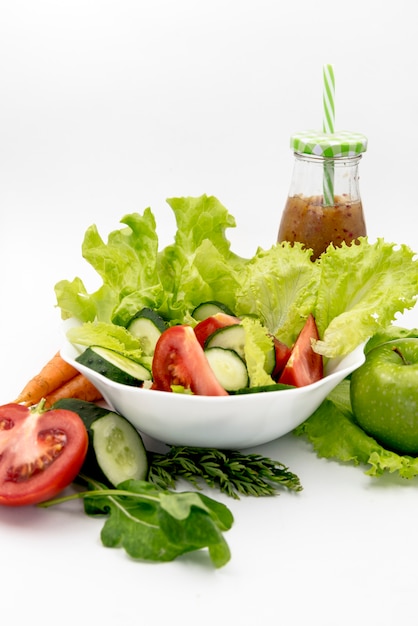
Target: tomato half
<point>41,453</point>
<point>304,366</point>
<point>179,359</point>
<point>208,326</point>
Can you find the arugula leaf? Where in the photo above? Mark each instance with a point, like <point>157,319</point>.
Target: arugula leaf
<point>157,525</point>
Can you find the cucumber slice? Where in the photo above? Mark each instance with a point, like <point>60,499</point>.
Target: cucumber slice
<point>119,449</point>
<point>207,309</point>
<point>147,326</point>
<point>264,388</point>
<point>228,367</point>
<point>116,451</point>
<point>114,366</point>
<point>233,338</point>
<point>229,337</point>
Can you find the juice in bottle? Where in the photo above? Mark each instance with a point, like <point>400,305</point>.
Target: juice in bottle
<point>324,204</point>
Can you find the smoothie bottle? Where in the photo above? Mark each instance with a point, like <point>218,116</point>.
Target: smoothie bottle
<point>324,204</point>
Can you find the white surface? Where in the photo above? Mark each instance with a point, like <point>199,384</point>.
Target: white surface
<point>110,107</point>
<point>238,421</point>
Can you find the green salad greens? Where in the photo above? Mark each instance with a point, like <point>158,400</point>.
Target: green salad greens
<point>353,291</point>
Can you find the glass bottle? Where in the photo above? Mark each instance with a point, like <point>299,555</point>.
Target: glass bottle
<point>324,204</point>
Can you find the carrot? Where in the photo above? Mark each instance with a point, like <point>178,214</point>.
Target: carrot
<point>53,375</point>
<point>77,387</point>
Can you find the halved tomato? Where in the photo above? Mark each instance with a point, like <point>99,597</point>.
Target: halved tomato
<point>179,359</point>
<point>206,327</point>
<point>41,453</point>
<point>304,366</point>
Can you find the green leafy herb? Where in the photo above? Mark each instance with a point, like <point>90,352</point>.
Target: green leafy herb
<point>152,524</point>
<point>231,471</point>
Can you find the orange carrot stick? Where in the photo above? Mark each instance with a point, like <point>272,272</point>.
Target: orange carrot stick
<point>54,374</point>
<point>77,387</point>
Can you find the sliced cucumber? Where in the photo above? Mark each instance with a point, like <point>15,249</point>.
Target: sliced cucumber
<point>116,451</point>
<point>228,367</point>
<point>114,366</point>
<point>206,309</point>
<point>230,337</point>
<point>233,338</point>
<point>264,388</point>
<point>119,449</point>
<point>147,325</point>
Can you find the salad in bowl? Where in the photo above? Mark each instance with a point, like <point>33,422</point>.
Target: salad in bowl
<point>225,351</point>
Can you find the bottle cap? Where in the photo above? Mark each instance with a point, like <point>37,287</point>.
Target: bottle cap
<point>331,145</point>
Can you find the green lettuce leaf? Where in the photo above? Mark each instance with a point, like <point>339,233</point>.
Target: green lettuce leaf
<point>362,287</point>
<point>107,335</point>
<point>256,348</point>
<point>199,266</point>
<point>280,287</point>
<point>359,287</point>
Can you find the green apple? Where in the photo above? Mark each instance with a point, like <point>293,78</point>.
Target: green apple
<point>384,395</point>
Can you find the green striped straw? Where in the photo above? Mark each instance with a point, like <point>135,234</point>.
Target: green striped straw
<point>328,127</point>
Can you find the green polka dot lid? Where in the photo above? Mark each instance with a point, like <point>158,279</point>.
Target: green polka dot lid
<point>330,145</point>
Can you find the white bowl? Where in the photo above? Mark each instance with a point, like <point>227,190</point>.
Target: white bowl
<point>237,422</point>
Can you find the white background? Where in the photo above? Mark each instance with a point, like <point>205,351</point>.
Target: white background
<point>108,107</point>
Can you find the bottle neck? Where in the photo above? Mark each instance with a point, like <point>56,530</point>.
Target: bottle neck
<point>311,171</point>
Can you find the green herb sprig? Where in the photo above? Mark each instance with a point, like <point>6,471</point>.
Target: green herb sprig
<point>232,472</point>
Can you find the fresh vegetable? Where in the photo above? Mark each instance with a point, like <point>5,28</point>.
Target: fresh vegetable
<point>41,452</point>
<point>204,329</point>
<point>229,368</point>
<point>116,450</point>
<point>114,365</point>
<point>209,309</point>
<point>55,373</point>
<point>78,387</point>
<point>282,354</point>
<point>264,388</point>
<point>334,432</point>
<point>230,471</point>
<point>231,337</point>
<point>384,395</point>
<point>179,360</point>
<point>157,525</point>
<point>304,366</point>
<point>147,326</point>
<point>360,287</point>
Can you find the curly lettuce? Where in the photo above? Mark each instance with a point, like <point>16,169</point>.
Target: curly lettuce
<point>353,291</point>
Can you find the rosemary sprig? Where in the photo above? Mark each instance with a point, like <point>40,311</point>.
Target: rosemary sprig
<point>230,471</point>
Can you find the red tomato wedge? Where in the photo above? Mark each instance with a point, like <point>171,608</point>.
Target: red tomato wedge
<point>206,327</point>
<point>282,354</point>
<point>41,453</point>
<point>179,359</point>
<point>304,366</point>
